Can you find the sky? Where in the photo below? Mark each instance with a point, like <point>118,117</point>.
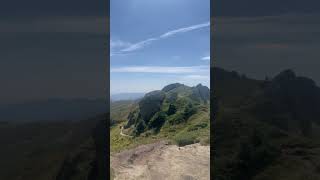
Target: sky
<point>262,38</point>
<point>154,43</point>
<point>53,49</point>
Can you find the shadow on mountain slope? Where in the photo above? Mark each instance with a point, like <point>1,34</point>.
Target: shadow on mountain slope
<point>265,129</point>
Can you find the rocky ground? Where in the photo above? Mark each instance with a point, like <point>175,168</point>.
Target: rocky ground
<point>162,161</point>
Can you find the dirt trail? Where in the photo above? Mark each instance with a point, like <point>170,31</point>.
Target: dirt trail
<point>125,135</point>
<point>160,161</point>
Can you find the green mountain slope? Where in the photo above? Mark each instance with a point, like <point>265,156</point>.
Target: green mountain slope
<point>265,129</point>
<point>177,112</point>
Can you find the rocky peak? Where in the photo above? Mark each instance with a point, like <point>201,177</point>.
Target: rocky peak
<point>171,86</point>
<point>150,104</point>
<point>203,92</point>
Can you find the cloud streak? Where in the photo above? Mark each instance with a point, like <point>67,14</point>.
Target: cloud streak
<point>184,30</point>
<point>161,69</point>
<point>206,58</point>
<point>142,44</point>
<point>139,45</point>
<point>118,44</point>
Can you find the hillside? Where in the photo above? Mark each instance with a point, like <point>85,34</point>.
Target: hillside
<point>265,129</point>
<point>53,150</point>
<point>165,127</point>
<point>177,112</point>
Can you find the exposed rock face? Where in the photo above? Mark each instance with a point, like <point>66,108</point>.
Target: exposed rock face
<point>171,86</point>
<point>201,92</point>
<point>172,97</point>
<point>150,104</point>
<point>176,100</point>
<point>132,117</point>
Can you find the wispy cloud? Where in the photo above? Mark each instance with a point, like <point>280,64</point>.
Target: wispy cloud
<point>115,45</point>
<point>160,69</point>
<point>206,58</point>
<point>141,44</point>
<point>118,44</point>
<point>185,29</point>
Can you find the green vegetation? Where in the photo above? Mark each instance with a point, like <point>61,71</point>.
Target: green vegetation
<point>189,111</point>
<point>265,129</point>
<point>172,109</point>
<point>176,113</point>
<point>157,120</point>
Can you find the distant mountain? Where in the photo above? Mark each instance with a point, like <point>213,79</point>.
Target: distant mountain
<point>53,110</point>
<point>126,96</point>
<point>264,126</point>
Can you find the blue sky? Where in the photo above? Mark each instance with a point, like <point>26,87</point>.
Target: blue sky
<point>155,43</point>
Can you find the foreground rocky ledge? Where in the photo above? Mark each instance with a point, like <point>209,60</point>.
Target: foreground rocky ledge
<point>162,161</point>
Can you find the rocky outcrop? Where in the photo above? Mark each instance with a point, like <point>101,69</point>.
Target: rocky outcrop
<point>171,86</point>
<point>176,100</point>
<point>201,92</point>
<point>150,104</point>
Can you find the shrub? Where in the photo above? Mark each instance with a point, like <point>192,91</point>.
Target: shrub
<point>157,120</point>
<point>176,118</point>
<point>184,141</point>
<point>197,126</point>
<point>184,138</point>
<point>201,125</point>
<point>172,109</point>
<point>189,111</point>
<point>140,127</point>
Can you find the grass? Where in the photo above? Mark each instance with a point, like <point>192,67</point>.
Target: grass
<point>119,143</point>
<point>120,110</point>
<point>196,129</point>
